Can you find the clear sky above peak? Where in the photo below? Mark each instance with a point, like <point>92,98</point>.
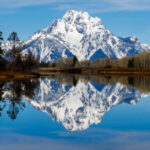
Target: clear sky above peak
<point>122,18</point>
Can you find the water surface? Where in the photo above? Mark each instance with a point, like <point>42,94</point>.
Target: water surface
<point>72,112</point>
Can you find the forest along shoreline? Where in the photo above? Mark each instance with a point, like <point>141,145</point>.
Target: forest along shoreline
<point>15,64</point>
<point>129,65</point>
<point>95,71</point>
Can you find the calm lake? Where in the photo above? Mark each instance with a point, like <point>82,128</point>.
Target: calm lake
<point>67,112</point>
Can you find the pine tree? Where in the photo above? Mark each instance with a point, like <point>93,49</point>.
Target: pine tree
<point>13,37</point>
<point>131,63</point>
<point>1,38</point>
<point>15,50</point>
<point>2,61</point>
<point>75,61</point>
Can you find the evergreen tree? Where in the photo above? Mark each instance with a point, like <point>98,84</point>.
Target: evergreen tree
<point>15,50</point>
<point>13,37</point>
<point>75,61</point>
<point>131,63</point>
<point>1,38</point>
<point>2,61</point>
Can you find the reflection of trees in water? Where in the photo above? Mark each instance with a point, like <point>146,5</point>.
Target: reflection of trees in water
<point>67,79</point>
<point>15,91</point>
<point>73,79</point>
<point>11,93</point>
<point>2,100</point>
<point>1,90</point>
<point>15,106</point>
<point>141,83</point>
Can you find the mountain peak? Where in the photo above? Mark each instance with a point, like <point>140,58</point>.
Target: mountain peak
<point>80,34</point>
<point>73,15</point>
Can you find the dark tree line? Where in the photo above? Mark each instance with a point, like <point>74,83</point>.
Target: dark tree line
<point>16,60</point>
<point>2,60</point>
<point>1,38</point>
<point>139,61</point>
<point>62,63</point>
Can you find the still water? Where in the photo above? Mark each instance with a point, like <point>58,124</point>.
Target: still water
<point>67,112</point>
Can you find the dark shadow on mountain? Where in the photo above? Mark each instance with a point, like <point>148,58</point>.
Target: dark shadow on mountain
<point>99,54</point>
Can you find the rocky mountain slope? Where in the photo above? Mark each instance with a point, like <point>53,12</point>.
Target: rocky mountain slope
<point>77,33</point>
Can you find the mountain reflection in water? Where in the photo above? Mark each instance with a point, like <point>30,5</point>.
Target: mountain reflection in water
<point>75,101</point>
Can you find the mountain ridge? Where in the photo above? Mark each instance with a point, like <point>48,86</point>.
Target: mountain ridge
<point>77,33</point>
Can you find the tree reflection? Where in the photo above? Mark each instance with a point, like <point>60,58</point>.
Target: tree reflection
<point>14,92</point>
<point>141,83</point>
<point>2,100</point>
<point>14,108</point>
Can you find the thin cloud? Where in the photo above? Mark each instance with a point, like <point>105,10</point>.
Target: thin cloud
<point>24,3</point>
<point>107,5</point>
<point>7,11</point>
<point>90,5</point>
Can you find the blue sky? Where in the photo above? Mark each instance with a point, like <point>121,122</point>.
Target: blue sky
<point>121,17</point>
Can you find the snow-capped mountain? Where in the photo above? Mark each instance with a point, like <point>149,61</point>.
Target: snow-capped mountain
<point>79,107</point>
<point>77,33</point>
<point>146,47</point>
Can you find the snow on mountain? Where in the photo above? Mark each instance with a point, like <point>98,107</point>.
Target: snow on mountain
<point>77,33</point>
<point>79,107</point>
<point>146,47</point>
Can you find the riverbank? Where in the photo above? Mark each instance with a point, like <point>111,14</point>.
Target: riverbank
<point>96,71</point>
<point>6,76</point>
<point>12,75</point>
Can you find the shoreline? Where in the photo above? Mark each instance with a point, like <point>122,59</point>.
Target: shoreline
<point>8,75</point>
<point>96,71</point>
